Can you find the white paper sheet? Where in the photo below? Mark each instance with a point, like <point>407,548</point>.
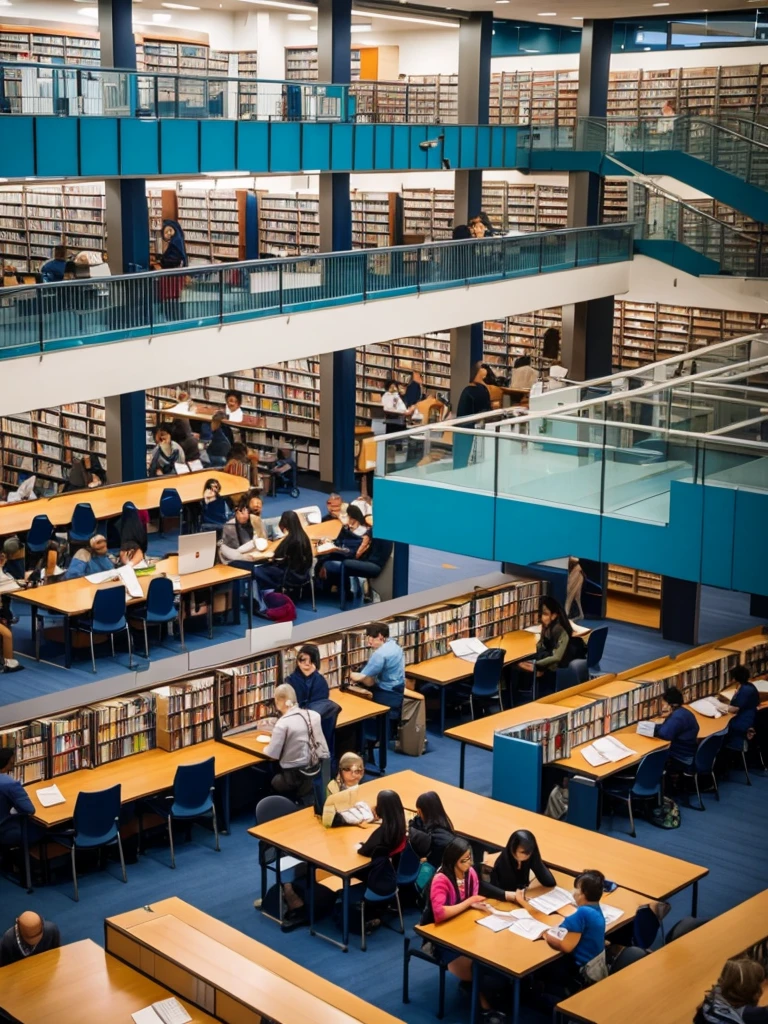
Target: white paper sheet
<point>553,901</point>
<point>49,796</point>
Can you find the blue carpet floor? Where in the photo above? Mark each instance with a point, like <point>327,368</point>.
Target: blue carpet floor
<point>730,838</point>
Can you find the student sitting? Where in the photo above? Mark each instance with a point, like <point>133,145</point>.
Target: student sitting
<point>336,508</point>
<point>237,541</point>
<point>743,706</point>
<point>735,997</point>
<point>255,508</point>
<point>306,679</point>
<point>166,454</point>
<point>585,940</point>
<point>91,559</point>
<point>298,745</point>
<point>214,508</point>
<point>234,403</point>
<point>552,650</point>
<point>55,268</point>
<point>284,468</point>
<point>85,473</point>
<point>351,541</point>
<point>181,433</point>
<point>132,527</point>
<point>292,560</point>
<point>349,775</point>
<point>31,934</point>
<point>384,843</point>
<point>431,831</point>
<point>10,664</point>
<point>220,444</point>
<point>680,728</point>
<point>514,866</point>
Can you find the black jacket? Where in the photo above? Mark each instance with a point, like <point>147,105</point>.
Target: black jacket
<point>429,841</point>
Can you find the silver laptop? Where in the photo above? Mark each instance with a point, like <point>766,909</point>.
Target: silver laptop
<point>197,551</point>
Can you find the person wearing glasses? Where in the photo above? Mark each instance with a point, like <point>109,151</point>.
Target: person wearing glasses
<point>306,679</point>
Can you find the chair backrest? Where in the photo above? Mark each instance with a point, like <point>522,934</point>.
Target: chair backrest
<point>170,502</point>
<point>160,597</point>
<point>193,783</point>
<point>628,955</point>
<point>96,813</point>
<point>708,750</point>
<point>271,807</point>
<point>329,711</point>
<point>108,608</point>
<point>409,865</point>
<point>649,773</point>
<point>573,674</point>
<point>596,646</point>
<point>40,532</point>
<point>683,926</point>
<point>645,928</point>
<point>307,511</point>
<point>487,672</point>
<point>83,519</point>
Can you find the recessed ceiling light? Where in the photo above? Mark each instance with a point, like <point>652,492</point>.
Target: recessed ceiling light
<point>179,7</point>
<point>277,3</point>
<point>299,17</point>
<point>661,5</point>
<point>577,17</point>
<point>405,17</point>
<point>502,1</point>
<point>547,14</point>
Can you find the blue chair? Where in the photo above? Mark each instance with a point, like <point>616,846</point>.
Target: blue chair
<point>408,866</point>
<point>192,797</point>
<point>108,617</point>
<point>160,609</point>
<point>645,927</point>
<point>83,524</point>
<point>171,507</point>
<point>422,954</point>
<point>595,648</point>
<point>40,533</point>
<point>96,823</point>
<point>646,785</point>
<point>295,581</point>
<point>573,674</point>
<point>369,896</point>
<point>486,678</point>
<point>270,859</point>
<point>628,956</point>
<point>704,764</point>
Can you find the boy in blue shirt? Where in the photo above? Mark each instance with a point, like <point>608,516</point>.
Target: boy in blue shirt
<point>55,269</point>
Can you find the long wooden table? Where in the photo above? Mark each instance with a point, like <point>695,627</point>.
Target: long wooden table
<point>667,986</point>
<point>227,973</point>
<point>107,502</point>
<point>74,598</point>
<point>80,984</point>
<point>489,822</point>
<point>511,954</point>
<point>140,775</point>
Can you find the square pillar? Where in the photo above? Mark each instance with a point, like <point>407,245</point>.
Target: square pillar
<point>125,429</point>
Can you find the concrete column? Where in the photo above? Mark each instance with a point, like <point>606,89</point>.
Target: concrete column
<point>126,437</point>
<point>680,601</point>
<point>588,326</point>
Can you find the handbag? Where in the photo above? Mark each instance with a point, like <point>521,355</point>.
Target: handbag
<point>425,875</point>
<point>595,969</point>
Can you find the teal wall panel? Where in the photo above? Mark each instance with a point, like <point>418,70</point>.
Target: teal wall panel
<point>179,146</point>
<point>99,149</point>
<point>17,152</point>
<point>382,156</point>
<point>468,146</point>
<point>57,145</point>
<point>526,531</point>
<point>677,255</point>
<point>750,542</point>
<point>401,145</point>
<point>717,536</point>
<point>316,147</point>
<point>426,526</point>
<point>218,145</point>
<point>435,153</point>
<point>139,146</point>
<point>253,146</point>
<point>483,153</point>
<point>497,147</point>
<point>363,147</point>
<point>342,146</point>
<point>418,157</point>
<point>452,144</point>
<point>285,146</point>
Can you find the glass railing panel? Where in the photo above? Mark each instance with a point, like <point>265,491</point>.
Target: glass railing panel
<point>731,465</point>
<point>457,458</point>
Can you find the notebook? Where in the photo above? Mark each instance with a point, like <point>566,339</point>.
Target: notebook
<point>49,796</point>
<point>606,750</point>
<point>553,901</point>
<point>468,649</point>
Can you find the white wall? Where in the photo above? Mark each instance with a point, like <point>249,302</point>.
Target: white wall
<point>651,281</point>
<point>75,375</point>
<point>725,56</point>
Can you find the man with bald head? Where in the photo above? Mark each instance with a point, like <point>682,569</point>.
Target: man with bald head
<point>30,934</point>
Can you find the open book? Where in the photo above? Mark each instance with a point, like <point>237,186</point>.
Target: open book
<point>553,901</point>
<point>606,750</point>
<point>468,649</point>
<point>165,1011</point>
<point>709,706</point>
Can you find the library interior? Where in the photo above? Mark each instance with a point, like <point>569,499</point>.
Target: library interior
<point>251,718</point>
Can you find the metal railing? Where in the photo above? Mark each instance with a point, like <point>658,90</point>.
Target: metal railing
<point>45,317</point>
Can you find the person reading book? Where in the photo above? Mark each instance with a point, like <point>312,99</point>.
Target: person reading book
<point>514,866</point>
<point>743,706</point>
<point>680,728</point>
<point>735,997</point>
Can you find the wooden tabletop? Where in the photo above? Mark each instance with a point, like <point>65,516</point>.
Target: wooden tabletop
<point>108,502</point>
<point>668,985</point>
<point>448,669</point>
<point>316,532</point>
<point>80,984</point>
<point>480,733</point>
<point>511,953</point>
<point>140,775</point>
<point>241,967</point>
<point>75,597</point>
<point>742,644</point>
<point>630,737</point>
<point>354,709</point>
<point>563,846</point>
<point>205,412</point>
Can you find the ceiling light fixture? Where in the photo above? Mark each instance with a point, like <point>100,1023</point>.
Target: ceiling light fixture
<point>89,12</point>
<point>502,1</point>
<point>278,3</point>
<point>161,19</point>
<point>577,17</point>
<point>661,5</point>
<point>404,17</point>
<point>179,7</point>
<point>547,14</point>
<point>361,28</point>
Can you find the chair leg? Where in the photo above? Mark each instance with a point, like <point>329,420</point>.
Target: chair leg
<point>363,944</point>
<point>122,858</point>
<point>744,762</point>
<point>93,656</point>
<point>38,627</point>
<point>130,645</point>
<point>146,640</point>
<point>74,875</point>
<point>441,992</point>
<point>215,827</point>
<point>406,964</point>
<point>170,840</point>
<point>501,702</point>
<point>631,817</point>
<point>399,911</point>
<point>312,588</point>
<point>714,783</point>
<point>112,642</point>
<point>698,792</point>
<point>471,707</point>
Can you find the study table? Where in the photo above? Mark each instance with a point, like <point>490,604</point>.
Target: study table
<point>226,972</point>
<point>512,954</point>
<point>354,711</point>
<point>107,502</point>
<point>80,984</point>
<point>486,821</point>
<point>140,775</point>
<point>667,986</point>
<point>74,598</point>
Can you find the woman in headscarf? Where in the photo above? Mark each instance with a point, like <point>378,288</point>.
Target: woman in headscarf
<point>173,256</point>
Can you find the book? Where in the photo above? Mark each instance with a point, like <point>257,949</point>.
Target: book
<point>49,796</point>
<point>606,750</point>
<point>468,648</point>
<point>553,901</point>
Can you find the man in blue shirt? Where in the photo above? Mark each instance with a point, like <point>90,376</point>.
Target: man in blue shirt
<point>54,269</point>
<point>88,561</point>
<point>384,671</point>
<point>680,728</point>
<point>14,802</point>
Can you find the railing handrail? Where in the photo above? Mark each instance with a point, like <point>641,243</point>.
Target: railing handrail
<point>488,242</point>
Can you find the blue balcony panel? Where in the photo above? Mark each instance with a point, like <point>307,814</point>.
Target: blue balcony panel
<point>750,543</point>
<point>285,147</point>
<point>342,146</point>
<point>316,147</point>
<point>17,153</point>
<point>382,156</point>
<point>525,531</point>
<point>364,147</point>
<point>99,147</point>
<point>57,146</point>
<point>139,147</point>
<point>253,139</point>
<point>218,146</point>
<point>179,146</point>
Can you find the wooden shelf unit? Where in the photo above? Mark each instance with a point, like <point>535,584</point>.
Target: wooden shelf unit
<point>301,63</point>
<point>635,582</point>
<point>34,219</point>
<point>428,353</point>
<point>289,223</point>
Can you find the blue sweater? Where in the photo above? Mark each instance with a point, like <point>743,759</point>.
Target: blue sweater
<point>96,563</point>
<point>682,731</point>
<point>747,700</point>
<point>309,689</point>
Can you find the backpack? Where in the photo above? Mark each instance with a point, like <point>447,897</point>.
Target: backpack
<point>666,816</point>
<point>575,650</point>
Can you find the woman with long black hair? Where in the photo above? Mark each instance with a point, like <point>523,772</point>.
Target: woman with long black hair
<point>552,650</point>
<point>514,866</point>
<point>292,559</point>
<point>431,831</point>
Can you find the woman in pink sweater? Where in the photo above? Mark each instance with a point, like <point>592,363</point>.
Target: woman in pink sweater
<point>455,888</point>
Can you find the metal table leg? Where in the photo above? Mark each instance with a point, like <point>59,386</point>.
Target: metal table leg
<point>695,898</point>
<point>442,710</point>
<point>462,757</point>
<point>383,742</point>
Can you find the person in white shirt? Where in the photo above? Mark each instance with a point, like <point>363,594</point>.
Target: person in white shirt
<point>234,403</point>
<point>297,744</point>
<point>395,409</point>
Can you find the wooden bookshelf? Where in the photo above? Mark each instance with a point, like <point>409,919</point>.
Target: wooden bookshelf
<point>31,761</point>
<point>246,692</point>
<point>185,713</point>
<point>430,354</point>
<point>636,582</point>
<point>289,223</point>
<point>67,739</point>
<point>34,219</point>
<point>301,63</point>
<point>123,726</point>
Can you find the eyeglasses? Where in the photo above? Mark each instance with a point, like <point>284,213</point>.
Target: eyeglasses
<point>354,771</point>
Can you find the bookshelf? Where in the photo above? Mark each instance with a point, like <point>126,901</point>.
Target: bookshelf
<point>246,692</point>
<point>301,64</point>
<point>635,582</point>
<point>30,763</point>
<point>430,354</point>
<point>289,223</point>
<point>35,219</point>
<point>47,441</point>
<point>122,727</point>
<point>505,340</point>
<point>185,713</point>
<point>67,740</point>
<point>332,659</point>
<point>213,222</point>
